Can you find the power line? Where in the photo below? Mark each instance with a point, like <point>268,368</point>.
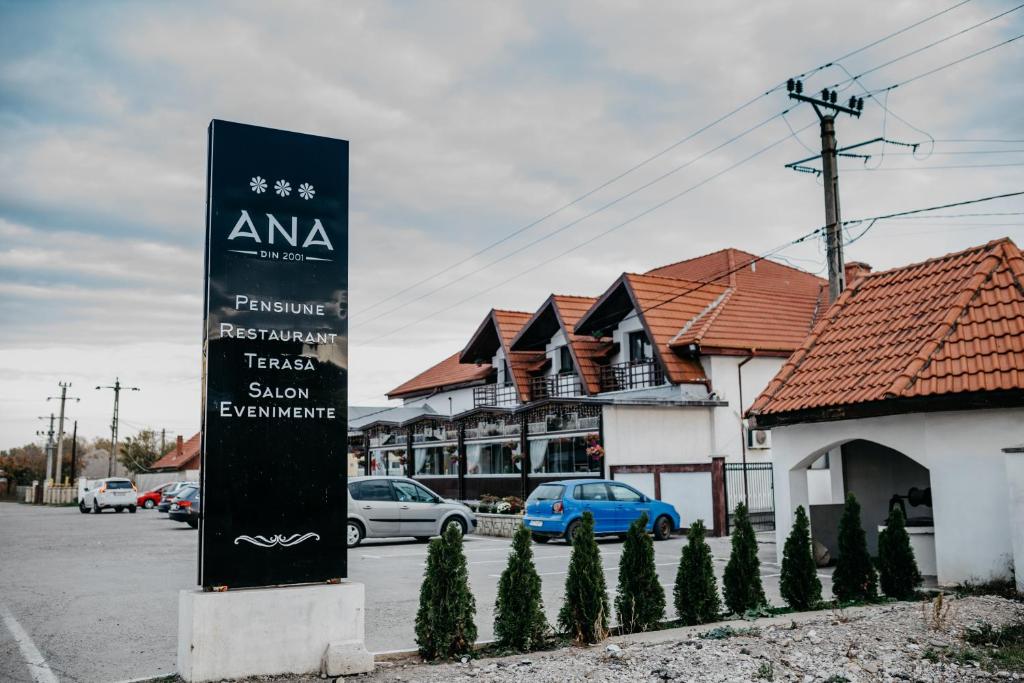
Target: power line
<point>588,241</point>
<point>661,153</point>
<point>963,215</point>
<point>574,222</point>
<point>929,168</point>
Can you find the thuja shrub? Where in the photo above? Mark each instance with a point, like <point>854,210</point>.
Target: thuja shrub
<point>696,590</point>
<point>519,621</point>
<point>799,582</point>
<point>854,579</point>
<point>742,578</point>
<point>444,621</point>
<point>897,567</point>
<point>640,601</point>
<point>584,613</point>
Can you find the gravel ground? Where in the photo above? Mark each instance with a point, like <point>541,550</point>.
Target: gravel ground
<point>879,643</point>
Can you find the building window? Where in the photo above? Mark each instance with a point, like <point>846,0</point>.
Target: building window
<point>565,365</point>
<point>561,455</point>
<point>388,462</point>
<point>436,460</point>
<point>639,346</point>
<point>493,458</point>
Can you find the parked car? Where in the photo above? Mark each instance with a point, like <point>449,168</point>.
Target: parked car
<point>150,499</point>
<point>390,507</point>
<point>113,492</point>
<point>555,509</point>
<point>185,507</point>
<point>168,496</point>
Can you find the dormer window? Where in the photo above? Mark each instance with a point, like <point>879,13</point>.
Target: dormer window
<point>565,366</point>
<point>640,347</point>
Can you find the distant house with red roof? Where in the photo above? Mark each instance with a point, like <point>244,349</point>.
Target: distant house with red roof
<point>182,457</point>
<point>909,391</point>
<point>646,382</point>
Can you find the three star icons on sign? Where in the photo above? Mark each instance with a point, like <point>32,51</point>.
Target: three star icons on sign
<point>282,188</point>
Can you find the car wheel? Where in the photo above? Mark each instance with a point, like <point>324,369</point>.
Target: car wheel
<point>456,521</point>
<point>131,509</point>
<point>538,538</point>
<point>354,534</point>
<point>95,506</point>
<point>570,531</point>
<point>662,528</point>
<point>149,504</point>
<point>422,539</point>
<point>82,508</point>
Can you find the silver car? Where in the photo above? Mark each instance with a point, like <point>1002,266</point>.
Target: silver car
<point>389,507</point>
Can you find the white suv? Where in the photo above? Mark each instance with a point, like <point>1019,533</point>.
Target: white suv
<point>114,492</point>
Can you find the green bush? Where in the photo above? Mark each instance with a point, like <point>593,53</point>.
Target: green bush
<point>742,578</point>
<point>519,621</point>
<point>897,568</point>
<point>584,613</point>
<point>444,621</point>
<point>854,579</point>
<point>799,582</point>
<point>696,590</point>
<point>640,601</point>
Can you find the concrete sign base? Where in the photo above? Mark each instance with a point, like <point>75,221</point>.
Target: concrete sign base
<point>307,629</point>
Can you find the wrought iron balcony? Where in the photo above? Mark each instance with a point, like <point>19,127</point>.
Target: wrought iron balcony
<point>500,395</point>
<point>631,375</point>
<point>555,386</point>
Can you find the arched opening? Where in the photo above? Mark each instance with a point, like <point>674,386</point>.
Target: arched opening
<point>880,477</point>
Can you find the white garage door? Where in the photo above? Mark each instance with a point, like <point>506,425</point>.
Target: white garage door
<point>690,493</point>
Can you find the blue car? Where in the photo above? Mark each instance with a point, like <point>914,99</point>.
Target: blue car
<point>555,509</point>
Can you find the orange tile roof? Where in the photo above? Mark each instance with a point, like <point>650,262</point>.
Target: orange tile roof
<point>509,324</point>
<point>449,373</point>
<point>186,459</point>
<point>587,350</point>
<point>950,325</point>
<point>763,275</point>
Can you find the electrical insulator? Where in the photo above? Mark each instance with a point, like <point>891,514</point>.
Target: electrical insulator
<point>860,104</point>
<point>799,87</point>
<point>853,103</point>
<point>824,94</point>
<point>790,85</point>
<point>832,97</point>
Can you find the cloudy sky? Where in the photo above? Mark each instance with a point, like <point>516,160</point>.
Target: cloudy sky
<point>468,122</point>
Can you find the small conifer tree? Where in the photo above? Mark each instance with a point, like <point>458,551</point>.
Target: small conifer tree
<point>897,567</point>
<point>799,582</point>
<point>640,602</point>
<point>854,578</point>
<point>519,621</point>
<point>444,622</point>
<point>584,613</point>
<point>696,590</point>
<point>742,578</point>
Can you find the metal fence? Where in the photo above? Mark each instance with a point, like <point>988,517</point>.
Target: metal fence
<point>754,485</point>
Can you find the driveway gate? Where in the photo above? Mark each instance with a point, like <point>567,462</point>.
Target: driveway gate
<point>756,486</point>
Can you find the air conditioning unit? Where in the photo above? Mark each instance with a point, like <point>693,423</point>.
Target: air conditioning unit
<point>759,439</point>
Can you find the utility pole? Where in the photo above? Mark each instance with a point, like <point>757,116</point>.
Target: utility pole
<point>60,428</point>
<point>74,450</point>
<point>163,439</point>
<point>117,387</point>
<point>830,175</point>
<point>49,446</point>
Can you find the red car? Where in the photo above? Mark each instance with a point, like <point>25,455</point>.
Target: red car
<point>150,499</point>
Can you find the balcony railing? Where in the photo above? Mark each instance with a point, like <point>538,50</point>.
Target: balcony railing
<point>500,395</point>
<point>632,375</point>
<point>555,386</point>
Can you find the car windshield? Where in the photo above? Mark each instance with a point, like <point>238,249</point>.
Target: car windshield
<point>547,492</point>
<point>187,492</point>
<point>119,484</point>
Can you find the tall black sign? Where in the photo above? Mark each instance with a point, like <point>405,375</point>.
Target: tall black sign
<point>275,351</point>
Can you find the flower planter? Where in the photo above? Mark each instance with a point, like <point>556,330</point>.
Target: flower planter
<point>490,524</point>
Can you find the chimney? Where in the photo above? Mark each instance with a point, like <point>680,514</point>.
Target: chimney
<point>855,270</point>
<point>181,445</point>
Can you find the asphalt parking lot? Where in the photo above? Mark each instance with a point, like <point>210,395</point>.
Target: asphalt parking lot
<point>96,597</point>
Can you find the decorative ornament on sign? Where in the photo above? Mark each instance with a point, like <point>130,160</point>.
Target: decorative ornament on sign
<point>278,539</point>
<point>306,191</point>
<point>283,188</point>
<point>258,185</point>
